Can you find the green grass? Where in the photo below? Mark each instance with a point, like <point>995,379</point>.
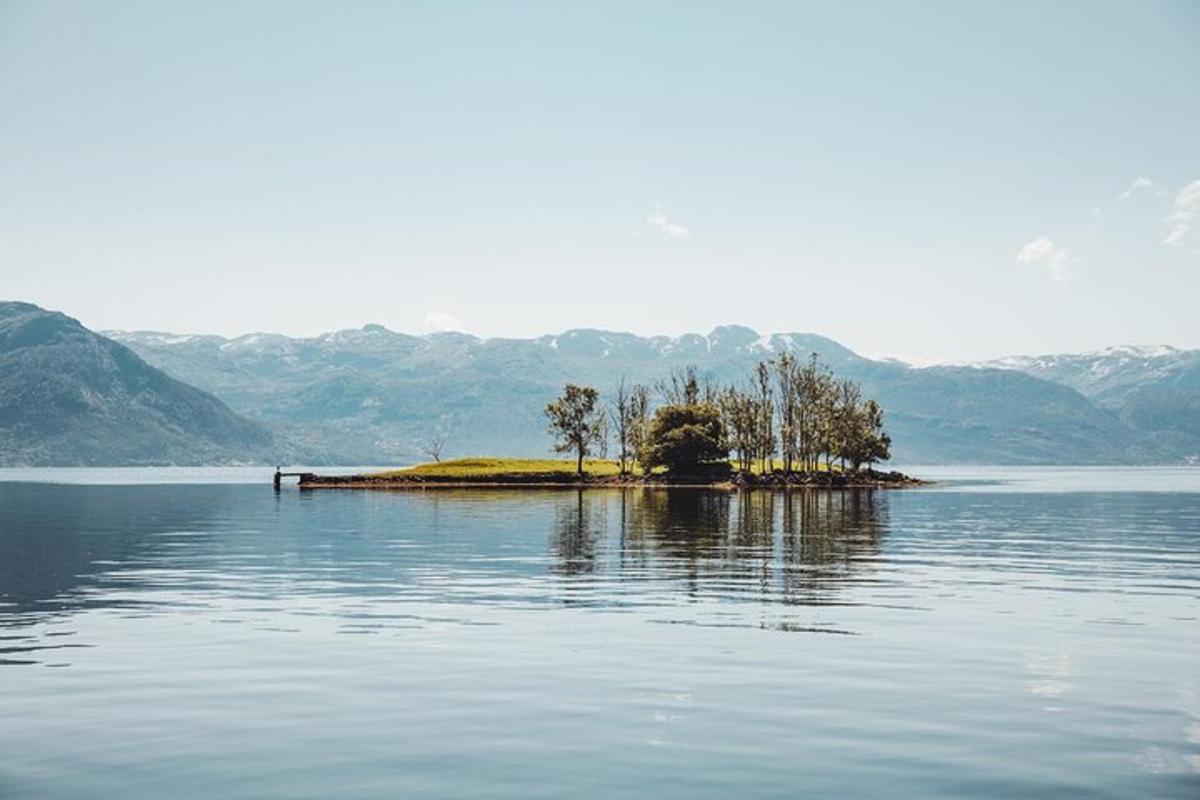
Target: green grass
<point>497,469</point>
<point>468,469</point>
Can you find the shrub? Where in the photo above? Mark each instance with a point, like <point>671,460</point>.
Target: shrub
<point>685,438</point>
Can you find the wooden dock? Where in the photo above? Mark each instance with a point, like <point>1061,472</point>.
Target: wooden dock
<point>302,476</point>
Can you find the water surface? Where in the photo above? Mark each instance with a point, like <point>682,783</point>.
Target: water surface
<point>1007,633</point>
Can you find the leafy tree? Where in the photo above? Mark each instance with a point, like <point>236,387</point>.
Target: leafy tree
<point>740,416</point>
<point>787,380</point>
<point>849,420</point>
<point>684,438</point>
<point>814,409</point>
<point>873,444</point>
<point>805,411</point>
<point>827,420</point>
<point>575,422</point>
<point>764,444</point>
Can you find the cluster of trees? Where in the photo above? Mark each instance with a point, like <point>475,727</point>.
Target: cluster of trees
<point>789,415</point>
<point>803,414</point>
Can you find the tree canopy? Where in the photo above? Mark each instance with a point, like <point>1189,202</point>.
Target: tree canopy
<point>576,423</point>
<point>684,438</point>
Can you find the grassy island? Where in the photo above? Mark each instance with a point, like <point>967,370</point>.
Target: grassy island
<point>597,472</point>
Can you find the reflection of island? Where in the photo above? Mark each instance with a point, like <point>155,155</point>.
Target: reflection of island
<point>151,550</point>
<point>796,547</point>
<point>578,527</point>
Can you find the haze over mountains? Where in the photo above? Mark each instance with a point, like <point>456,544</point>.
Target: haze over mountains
<point>372,395</point>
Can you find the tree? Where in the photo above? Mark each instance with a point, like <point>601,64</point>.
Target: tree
<point>601,448</point>
<point>787,379</point>
<point>827,418</point>
<point>639,418</point>
<point>681,387</point>
<point>623,421</point>
<point>739,414</point>
<point>575,422</point>
<point>850,430</point>
<point>433,444</point>
<point>764,444</point>
<point>814,384</point>
<point>685,438</point>
<point>872,443</point>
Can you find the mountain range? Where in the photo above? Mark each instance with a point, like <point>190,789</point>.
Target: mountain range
<point>380,392</point>
<point>373,395</point>
<point>71,397</point>
<point>1155,390</point>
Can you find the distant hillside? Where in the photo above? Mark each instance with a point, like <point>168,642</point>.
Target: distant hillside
<point>71,397</point>
<point>1155,390</point>
<point>1110,375</point>
<point>380,392</point>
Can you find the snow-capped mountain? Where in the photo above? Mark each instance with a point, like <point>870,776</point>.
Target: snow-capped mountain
<point>1112,374</point>
<point>381,391</point>
<point>1154,389</point>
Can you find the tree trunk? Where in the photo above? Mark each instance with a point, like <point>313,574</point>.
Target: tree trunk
<point>579,463</point>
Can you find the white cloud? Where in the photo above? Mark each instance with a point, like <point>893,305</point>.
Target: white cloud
<point>1183,216</point>
<point>1138,185</point>
<point>659,221</point>
<point>1044,251</point>
<point>440,322</point>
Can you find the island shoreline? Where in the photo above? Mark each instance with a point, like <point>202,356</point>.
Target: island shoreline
<point>802,481</point>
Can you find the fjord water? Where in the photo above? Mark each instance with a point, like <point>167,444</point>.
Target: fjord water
<point>1021,633</point>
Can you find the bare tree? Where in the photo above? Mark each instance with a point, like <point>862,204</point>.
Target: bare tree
<point>681,387</point>
<point>639,419</point>
<point>621,413</point>
<point>433,444</point>
<point>602,435</point>
<point>739,412</point>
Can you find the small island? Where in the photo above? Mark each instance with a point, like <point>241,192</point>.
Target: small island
<point>555,473</point>
<point>792,424</point>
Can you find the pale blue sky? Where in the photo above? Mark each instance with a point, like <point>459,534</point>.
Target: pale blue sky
<point>928,181</point>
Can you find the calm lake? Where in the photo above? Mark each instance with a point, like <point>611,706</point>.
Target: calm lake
<point>1005,633</point>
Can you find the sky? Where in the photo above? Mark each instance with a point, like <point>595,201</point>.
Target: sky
<point>927,181</point>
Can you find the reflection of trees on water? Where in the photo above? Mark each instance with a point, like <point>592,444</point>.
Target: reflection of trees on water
<point>798,546</point>
<point>682,529</point>
<point>579,525</point>
<point>69,548</point>
<point>828,537</point>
